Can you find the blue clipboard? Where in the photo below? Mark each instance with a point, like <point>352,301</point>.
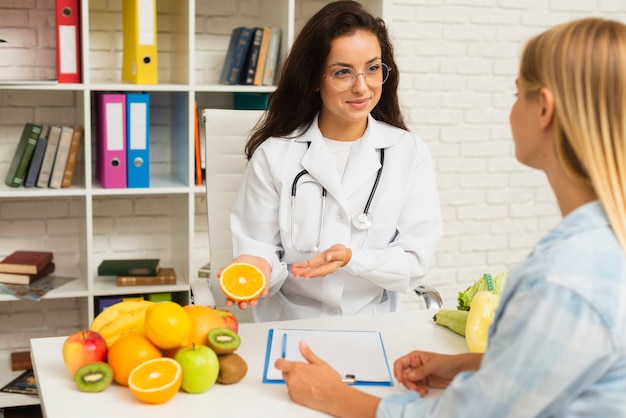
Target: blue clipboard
<point>359,356</point>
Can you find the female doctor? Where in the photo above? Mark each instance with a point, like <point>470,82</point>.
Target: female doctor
<point>338,205</point>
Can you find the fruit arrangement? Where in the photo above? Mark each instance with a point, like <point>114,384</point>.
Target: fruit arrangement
<point>156,350</point>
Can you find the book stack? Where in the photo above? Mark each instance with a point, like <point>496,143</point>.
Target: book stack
<point>252,57</point>
<point>45,156</point>
<point>25,267</point>
<point>137,272</point>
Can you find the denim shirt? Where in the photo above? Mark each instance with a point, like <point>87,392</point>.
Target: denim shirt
<point>557,346</point>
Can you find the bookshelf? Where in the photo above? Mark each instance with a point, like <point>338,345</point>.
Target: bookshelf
<point>85,223</point>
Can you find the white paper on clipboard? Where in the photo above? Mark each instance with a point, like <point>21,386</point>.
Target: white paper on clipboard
<point>358,353</point>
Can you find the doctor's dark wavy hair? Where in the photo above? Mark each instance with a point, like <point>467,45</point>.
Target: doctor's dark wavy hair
<point>296,100</point>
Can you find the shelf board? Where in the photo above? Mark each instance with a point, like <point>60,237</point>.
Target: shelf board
<point>28,192</point>
<point>117,86</point>
<point>105,286</point>
<point>74,289</point>
<point>228,88</point>
<point>159,184</point>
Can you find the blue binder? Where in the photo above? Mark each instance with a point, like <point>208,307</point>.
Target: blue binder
<point>138,140</point>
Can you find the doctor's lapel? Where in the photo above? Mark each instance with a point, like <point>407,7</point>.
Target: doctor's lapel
<point>321,166</point>
<point>363,164</point>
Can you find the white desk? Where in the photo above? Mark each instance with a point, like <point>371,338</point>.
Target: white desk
<point>402,333</point>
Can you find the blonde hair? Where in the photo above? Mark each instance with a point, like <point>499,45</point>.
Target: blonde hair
<point>583,64</point>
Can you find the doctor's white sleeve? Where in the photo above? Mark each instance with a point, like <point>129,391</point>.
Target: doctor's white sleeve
<point>401,265</point>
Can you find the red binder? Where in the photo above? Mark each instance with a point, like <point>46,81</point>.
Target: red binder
<point>68,41</point>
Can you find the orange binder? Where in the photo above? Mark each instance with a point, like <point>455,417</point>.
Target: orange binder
<point>68,41</point>
<point>197,147</point>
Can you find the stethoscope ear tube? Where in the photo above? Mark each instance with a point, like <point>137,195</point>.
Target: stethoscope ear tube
<point>364,220</point>
<point>316,247</point>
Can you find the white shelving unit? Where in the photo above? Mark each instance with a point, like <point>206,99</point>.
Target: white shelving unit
<point>156,222</point>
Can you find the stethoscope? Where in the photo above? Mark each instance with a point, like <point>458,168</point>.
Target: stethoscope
<point>361,221</point>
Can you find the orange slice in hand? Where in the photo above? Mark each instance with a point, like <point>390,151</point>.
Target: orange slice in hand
<point>156,381</point>
<point>242,282</point>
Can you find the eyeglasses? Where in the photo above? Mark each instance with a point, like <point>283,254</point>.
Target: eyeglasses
<point>343,78</point>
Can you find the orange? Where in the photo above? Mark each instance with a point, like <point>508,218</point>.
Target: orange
<point>156,381</point>
<point>203,320</point>
<point>242,282</point>
<point>167,325</point>
<point>127,352</point>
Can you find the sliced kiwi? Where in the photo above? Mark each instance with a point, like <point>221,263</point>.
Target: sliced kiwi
<point>233,368</point>
<point>223,340</point>
<point>94,377</point>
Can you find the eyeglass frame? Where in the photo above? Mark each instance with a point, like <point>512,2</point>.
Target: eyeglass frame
<point>355,75</point>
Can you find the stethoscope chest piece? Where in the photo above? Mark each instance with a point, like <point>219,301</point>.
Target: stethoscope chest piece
<point>362,220</point>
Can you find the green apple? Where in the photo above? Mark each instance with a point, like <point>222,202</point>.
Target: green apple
<point>200,368</point>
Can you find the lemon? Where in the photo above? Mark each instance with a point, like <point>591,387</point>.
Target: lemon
<point>167,325</point>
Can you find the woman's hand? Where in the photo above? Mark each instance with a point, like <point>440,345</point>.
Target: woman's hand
<point>324,263</point>
<point>316,385</point>
<point>421,370</point>
<point>262,265</point>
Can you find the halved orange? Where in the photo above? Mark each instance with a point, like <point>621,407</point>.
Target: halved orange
<point>242,282</point>
<point>156,381</point>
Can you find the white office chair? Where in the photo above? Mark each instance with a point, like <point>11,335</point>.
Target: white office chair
<point>226,134</point>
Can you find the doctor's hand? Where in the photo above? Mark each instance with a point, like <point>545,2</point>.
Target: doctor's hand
<point>324,263</point>
<point>421,370</point>
<point>262,265</point>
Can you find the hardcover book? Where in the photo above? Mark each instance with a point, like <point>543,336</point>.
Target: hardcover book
<point>262,60</point>
<point>16,278</point>
<point>129,267</point>
<point>23,154</point>
<point>20,360</point>
<point>48,159</point>
<point>60,160</point>
<point>25,262</point>
<point>236,54</point>
<point>253,57</point>
<point>35,162</point>
<point>273,52</point>
<point>72,157</point>
<point>166,275</point>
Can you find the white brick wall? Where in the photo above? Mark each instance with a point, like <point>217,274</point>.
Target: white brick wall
<point>458,62</point>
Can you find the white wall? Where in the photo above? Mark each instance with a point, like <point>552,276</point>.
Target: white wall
<point>458,61</point>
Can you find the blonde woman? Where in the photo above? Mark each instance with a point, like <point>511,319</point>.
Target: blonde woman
<point>557,346</point>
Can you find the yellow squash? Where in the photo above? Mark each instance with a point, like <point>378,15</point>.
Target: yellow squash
<point>479,319</point>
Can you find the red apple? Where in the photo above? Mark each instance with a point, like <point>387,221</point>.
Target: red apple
<point>230,319</point>
<point>83,347</point>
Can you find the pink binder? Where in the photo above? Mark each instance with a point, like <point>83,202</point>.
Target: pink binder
<point>111,140</point>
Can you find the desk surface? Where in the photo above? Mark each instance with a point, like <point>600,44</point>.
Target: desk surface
<point>401,332</point>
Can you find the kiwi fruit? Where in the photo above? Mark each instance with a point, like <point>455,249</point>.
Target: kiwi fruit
<point>223,340</point>
<point>94,377</point>
<point>233,368</point>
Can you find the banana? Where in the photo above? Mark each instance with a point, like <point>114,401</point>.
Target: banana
<point>120,319</point>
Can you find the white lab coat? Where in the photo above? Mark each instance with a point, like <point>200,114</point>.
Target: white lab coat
<point>388,258</point>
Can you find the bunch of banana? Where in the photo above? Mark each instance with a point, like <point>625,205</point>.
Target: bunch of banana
<point>123,318</point>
